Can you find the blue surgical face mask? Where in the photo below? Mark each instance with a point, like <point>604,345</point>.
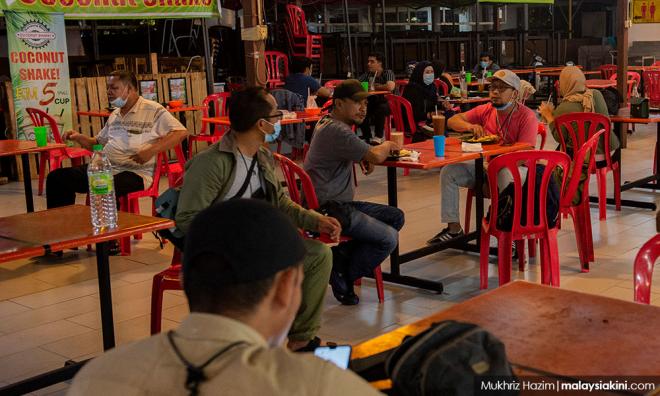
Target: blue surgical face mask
<point>272,137</point>
<point>428,78</point>
<point>504,106</point>
<point>483,64</point>
<point>119,102</point>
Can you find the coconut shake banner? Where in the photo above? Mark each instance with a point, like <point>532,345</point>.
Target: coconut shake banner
<point>39,68</point>
<point>118,9</point>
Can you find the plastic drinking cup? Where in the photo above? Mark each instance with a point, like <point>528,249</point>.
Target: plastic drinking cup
<point>41,136</point>
<point>397,137</point>
<point>365,85</point>
<point>468,77</point>
<point>439,145</point>
<point>438,124</point>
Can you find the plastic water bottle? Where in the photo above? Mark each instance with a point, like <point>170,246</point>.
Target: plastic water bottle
<point>463,84</point>
<point>101,191</point>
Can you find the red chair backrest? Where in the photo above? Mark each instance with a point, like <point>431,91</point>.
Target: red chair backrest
<point>633,80</point>
<point>580,127</point>
<point>296,21</point>
<point>292,173</point>
<point>644,263</point>
<point>400,86</point>
<point>441,86</point>
<point>166,167</point>
<point>41,118</point>
<point>332,83</point>
<point>276,74</point>
<point>543,133</point>
<point>511,161</point>
<point>588,150</point>
<point>402,115</point>
<point>652,86</point>
<point>217,101</point>
<point>606,71</point>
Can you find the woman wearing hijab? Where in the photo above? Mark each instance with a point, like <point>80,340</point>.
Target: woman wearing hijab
<point>576,98</point>
<point>422,94</point>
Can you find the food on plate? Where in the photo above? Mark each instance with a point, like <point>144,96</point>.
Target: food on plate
<point>487,139</point>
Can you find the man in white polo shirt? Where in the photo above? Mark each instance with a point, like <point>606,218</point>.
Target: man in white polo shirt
<point>135,133</point>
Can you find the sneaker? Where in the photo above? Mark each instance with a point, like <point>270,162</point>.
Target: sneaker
<point>342,289</point>
<point>376,140</point>
<point>444,236</point>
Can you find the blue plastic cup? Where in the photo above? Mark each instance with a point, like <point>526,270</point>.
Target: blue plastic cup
<point>439,145</point>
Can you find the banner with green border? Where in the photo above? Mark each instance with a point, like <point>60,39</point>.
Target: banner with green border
<point>117,9</point>
<point>39,67</point>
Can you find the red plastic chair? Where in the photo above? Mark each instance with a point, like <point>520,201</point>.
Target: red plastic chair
<point>54,158</point>
<point>131,202</point>
<point>606,71</point>
<point>470,193</point>
<point>595,122</point>
<point>644,263</point>
<point>402,117</point>
<point>652,87</point>
<point>519,232</point>
<point>441,86</point>
<point>634,80</point>
<point>170,279</point>
<point>174,170</point>
<point>276,74</point>
<point>294,174</point>
<point>580,212</point>
<point>301,42</point>
<point>219,103</point>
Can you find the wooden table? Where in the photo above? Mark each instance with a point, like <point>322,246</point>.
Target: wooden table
<point>24,148</point>
<point>621,119</point>
<point>553,330</point>
<point>301,117</point>
<point>427,161</point>
<point>600,84</point>
<point>185,108</point>
<point>35,234</point>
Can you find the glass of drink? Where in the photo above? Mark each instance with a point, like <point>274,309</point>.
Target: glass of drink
<point>438,124</point>
<point>397,137</point>
<point>41,136</point>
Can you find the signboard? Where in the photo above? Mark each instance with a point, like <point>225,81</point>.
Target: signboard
<point>39,68</point>
<point>646,11</point>
<point>117,9</point>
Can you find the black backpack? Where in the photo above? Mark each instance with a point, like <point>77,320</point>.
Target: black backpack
<point>612,100</point>
<point>449,358</point>
<point>505,203</point>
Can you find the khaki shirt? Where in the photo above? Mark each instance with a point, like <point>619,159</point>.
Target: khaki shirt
<point>122,136</point>
<point>151,367</point>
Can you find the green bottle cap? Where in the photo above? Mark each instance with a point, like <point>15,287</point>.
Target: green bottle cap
<point>97,147</point>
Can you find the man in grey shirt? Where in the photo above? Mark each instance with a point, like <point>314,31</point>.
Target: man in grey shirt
<point>373,227</point>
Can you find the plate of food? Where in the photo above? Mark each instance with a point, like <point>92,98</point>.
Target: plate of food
<point>487,139</point>
<point>400,154</point>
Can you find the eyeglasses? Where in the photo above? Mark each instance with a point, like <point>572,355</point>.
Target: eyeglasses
<point>498,87</point>
<point>278,114</point>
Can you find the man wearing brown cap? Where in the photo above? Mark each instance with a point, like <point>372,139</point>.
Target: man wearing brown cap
<point>513,122</point>
<point>374,228</point>
<point>243,284</point>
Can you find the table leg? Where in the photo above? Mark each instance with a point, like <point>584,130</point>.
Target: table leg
<point>392,200</point>
<point>27,182</point>
<point>105,294</point>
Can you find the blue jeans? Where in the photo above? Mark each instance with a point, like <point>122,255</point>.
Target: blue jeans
<point>375,232</point>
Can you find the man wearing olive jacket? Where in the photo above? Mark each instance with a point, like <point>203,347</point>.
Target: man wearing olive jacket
<point>239,166</point>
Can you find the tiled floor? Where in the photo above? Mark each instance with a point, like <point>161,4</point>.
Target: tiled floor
<point>49,309</point>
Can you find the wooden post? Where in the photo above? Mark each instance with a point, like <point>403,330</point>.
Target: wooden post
<point>154,62</point>
<point>622,59</point>
<point>255,65</point>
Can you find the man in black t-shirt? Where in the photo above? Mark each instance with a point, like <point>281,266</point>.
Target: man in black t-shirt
<point>377,108</point>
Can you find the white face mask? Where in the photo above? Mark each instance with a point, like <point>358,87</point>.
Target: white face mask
<point>119,101</point>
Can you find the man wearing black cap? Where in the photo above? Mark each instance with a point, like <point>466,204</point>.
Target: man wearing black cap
<point>239,166</point>
<point>243,284</point>
<point>329,162</point>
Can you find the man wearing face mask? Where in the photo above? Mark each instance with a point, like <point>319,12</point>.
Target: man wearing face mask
<point>485,64</point>
<point>240,166</point>
<point>503,116</point>
<point>132,137</point>
<point>243,284</point>
<point>374,228</point>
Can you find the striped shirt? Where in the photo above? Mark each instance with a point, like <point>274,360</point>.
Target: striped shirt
<point>382,78</point>
<point>123,136</point>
